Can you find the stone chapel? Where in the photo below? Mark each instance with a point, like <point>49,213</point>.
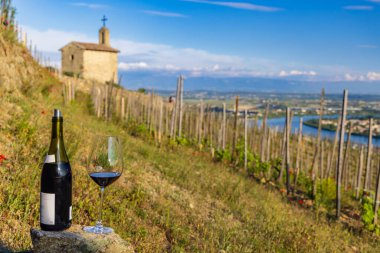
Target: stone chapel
<point>93,61</point>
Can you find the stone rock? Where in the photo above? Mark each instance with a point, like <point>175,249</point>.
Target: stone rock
<point>4,250</point>
<point>76,240</point>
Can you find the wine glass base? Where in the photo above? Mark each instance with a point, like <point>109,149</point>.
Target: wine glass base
<point>98,230</point>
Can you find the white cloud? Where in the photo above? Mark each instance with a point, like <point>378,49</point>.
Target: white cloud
<point>160,56</point>
<point>373,76</point>
<point>349,77</point>
<point>164,14</point>
<point>354,77</point>
<point>370,76</point>
<point>238,5</point>
<point>89,5</point>
<point>142,55</point>
<point>284,73</point>
<point>56,38</point>
<point>132,65</point>
<point>216,67</point>
<point>135,56</point>
<point>358,7</point>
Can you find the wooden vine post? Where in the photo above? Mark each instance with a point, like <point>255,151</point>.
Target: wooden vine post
<point>346,160</point>
<point>72,91</point>
<point>149,106</point>
<point>369,156</point>
<point>172,121</point>
<point>340,154</point>
<point>175,110</point>
<point>264,127</point>
<point>177,106</point>
<point>180,105</point>
<point>211,132</point>
<point>360,171</point>
<point>109,100</point>
<point>122,108</point>
<point>298,157</point>
<point>106,103</point>
<point>160,121</point>
<point>253,134</point>
<point>99,103</point>
<point>377,196</point>
<point>224,127</point>
<point>288,132</point>
<point>245,139</point>
<point>268,144</point>
<point>200,125</point>
<point>64,93</point>
<point>314,167</point>
<point>235,130</point>
<point>330,164</point>
<point>321,159</point>
<point>283,153</point>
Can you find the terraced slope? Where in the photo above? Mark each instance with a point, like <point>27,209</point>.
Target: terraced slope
<point>170,198</point>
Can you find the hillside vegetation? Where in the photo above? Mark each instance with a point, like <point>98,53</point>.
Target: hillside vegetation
<point>170,198</point>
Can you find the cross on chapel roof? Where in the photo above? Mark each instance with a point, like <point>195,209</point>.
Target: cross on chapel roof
<point>104,19</point>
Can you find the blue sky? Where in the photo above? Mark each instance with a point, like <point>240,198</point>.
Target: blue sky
<point>321,40</point>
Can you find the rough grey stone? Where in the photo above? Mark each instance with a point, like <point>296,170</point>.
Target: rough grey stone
<point>76,240</point>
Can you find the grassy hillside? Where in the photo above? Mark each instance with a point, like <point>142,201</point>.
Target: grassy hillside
<point>170,198</point>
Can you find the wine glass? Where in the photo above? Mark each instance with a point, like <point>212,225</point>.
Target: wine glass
<point>104,166</point>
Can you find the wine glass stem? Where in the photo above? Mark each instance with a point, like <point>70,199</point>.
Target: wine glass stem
<point>99,223</point>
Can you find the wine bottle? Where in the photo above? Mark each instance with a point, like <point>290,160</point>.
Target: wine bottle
<point>56,182</point>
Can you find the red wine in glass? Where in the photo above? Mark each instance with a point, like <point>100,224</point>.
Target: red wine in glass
<point>104,179</point>
<point>104,165</point>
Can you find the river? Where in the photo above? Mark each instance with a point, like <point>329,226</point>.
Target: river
<point>311,131</point>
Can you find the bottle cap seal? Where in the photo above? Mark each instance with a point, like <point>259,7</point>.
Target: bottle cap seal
<point>57,113</point>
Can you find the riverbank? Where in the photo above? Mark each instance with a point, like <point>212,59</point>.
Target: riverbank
<point>279,123</point>
<point>360,127</point>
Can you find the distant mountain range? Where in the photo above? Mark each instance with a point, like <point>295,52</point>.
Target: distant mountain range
<point>158,81</point>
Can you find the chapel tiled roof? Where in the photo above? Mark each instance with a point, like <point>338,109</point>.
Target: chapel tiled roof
<point>95,47</point>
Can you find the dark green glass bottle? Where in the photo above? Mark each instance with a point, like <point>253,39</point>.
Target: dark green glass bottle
<point>56,182</point>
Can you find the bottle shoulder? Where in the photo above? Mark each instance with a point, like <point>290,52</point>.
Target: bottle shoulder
<point>56,169</point>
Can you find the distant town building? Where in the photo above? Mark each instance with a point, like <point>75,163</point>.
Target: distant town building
<point>91,60</point>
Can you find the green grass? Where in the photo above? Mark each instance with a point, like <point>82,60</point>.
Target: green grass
<point>169,198</point>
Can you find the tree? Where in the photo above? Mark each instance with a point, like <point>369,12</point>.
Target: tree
<point>141,90</point>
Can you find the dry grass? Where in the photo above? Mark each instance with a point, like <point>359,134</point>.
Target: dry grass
<point>168,199</point>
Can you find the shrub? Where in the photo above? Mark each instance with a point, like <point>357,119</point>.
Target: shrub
<point>368,215</point>
<point>223,155</point>
<point>252,159</point>
<point>305,183</point>
<point>275,164</point>
<point>183,141</point>
<point>141,90</point>
<point>326,193</point>
<point>137,130</point>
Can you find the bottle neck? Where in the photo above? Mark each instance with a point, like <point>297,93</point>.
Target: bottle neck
<point>57,146</point>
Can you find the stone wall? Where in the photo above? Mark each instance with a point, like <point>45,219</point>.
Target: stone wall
<point>72,59</point>
<point>100,66</point>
